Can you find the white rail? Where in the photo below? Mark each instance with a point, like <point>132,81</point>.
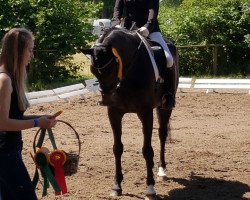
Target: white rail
<point>92,85</point>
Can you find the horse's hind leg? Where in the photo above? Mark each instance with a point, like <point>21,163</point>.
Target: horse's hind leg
<point>115,120</point>
<point>164,128</point>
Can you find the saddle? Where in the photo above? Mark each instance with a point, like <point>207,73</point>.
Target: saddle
<point>159,56</point>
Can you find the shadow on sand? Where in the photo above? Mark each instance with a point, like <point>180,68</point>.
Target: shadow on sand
<point>200,188</point>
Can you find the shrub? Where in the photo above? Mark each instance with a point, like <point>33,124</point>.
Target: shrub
<point>58,26</point>
<point>204,22</point>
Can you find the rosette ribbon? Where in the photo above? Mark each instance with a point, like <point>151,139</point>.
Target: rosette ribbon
<point>41,159</point>
<point>50,164</point>
<point>57,158</point>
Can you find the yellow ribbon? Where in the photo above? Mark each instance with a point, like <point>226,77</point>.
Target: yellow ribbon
<point>116,54</point>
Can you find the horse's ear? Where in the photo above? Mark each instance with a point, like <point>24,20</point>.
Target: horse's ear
<point>86,51</point>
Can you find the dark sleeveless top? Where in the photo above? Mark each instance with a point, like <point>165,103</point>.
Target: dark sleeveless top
<point>12,140</point>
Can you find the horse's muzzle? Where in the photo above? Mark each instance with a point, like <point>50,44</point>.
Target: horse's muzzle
<point>107,100</point>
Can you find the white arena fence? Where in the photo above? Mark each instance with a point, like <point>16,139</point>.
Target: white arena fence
<point>92,86</point>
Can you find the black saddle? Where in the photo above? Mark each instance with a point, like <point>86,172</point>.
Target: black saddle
<point>159,56</point>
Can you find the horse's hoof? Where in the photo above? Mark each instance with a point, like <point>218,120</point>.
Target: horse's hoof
<point>161,175</point>
<point>162,178</point>
<point>116,193</point>
<point>151,197</point>
<point>150,194</point>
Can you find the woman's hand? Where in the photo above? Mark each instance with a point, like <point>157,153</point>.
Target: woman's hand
<point>46,122</point>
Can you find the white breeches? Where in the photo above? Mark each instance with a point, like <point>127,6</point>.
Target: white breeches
<point>157,37</point>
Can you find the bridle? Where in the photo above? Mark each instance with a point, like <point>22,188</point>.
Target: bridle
<point>117,84</point>
<point>105,65</point>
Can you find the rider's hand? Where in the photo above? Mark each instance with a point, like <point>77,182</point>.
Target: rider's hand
<point>118,26</point>
<point>143,31</point>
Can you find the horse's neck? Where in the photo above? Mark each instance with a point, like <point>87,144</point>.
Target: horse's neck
<point>132,54</point>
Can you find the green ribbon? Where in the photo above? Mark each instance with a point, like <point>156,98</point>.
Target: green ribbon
<point>52,139</point>
<point>47,174</point>
<point>45,183</point>
<point>42,162</point>
<point>39,145</point>
<point>41,138</point>
<point>35,178</point>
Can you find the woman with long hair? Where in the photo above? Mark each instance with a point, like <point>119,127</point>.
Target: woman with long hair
<point>16,54</point>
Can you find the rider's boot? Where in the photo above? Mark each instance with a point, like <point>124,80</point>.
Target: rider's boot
<point>168,99</point>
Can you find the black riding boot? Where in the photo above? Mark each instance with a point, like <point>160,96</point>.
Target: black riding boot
<point>168,99</point>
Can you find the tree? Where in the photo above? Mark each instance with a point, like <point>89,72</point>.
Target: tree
<point>58,26</point>
<point>210,22</point>
<point>107,10</point>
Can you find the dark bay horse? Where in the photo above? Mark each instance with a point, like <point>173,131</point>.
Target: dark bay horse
<point>130,83</point>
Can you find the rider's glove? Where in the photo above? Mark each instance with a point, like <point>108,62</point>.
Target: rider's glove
<point>143,31</point>
<point>118,26</point>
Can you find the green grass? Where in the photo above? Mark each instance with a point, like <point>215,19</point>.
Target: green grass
<point>42,86</point>
<point>82,74</point>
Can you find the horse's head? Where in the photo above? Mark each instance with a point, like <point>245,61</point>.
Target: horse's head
<point>108,58</point>
<point>105,68</point>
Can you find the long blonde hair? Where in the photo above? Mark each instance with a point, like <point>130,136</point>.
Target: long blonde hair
<point>14,44</point>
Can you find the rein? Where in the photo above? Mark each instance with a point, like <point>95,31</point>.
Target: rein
<point>120,69</point>
<point>150,53</point>
<point>134,56</point>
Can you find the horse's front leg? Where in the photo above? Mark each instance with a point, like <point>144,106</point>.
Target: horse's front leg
<point>164,128</point>
<point>115,118</point>
<point>146,118</point>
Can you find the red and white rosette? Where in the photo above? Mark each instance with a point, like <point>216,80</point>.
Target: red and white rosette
<point>57,158</point>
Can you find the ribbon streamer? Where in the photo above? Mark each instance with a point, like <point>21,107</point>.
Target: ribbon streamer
<point>57,158</point>
<point>42,162</point>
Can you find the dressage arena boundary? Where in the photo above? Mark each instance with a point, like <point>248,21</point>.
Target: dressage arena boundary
<point>215,84</point>
<point>91,86</point>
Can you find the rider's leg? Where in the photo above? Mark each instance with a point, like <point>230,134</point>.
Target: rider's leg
<point>157,37</point>
<point>168,100</point>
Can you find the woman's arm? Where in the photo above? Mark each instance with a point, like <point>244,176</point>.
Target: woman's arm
<point>7,124</point>
<point>25,117</point>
